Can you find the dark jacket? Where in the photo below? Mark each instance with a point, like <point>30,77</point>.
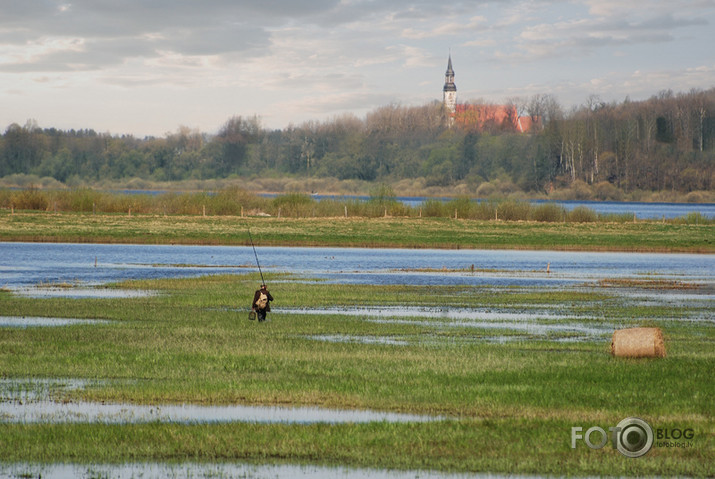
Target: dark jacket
<point>257,295</point>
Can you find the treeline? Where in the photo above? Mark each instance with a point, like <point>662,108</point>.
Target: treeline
<point>238,202</point>
<point>664,143</point>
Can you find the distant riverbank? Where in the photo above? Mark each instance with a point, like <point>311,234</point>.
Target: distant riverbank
<point>383,232</point>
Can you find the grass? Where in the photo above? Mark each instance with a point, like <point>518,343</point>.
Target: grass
<point>357,232</point>
<point>513,404</point>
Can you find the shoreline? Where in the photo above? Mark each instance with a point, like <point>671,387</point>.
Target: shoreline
<point>357,232</point>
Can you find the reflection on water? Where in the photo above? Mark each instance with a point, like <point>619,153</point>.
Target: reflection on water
<point>346,338</point>
<point>36,321</point>
<point>535,323</point>
<point>79,293</point>
<point>105,413</point>
<point>220,470</point>
<point>541,329</point>
<point>28,264</point>
<point>27,401</point>
<point>40,389</point>
<point>433,312</point>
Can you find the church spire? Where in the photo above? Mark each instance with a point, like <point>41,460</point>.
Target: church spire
<point>449,92</point>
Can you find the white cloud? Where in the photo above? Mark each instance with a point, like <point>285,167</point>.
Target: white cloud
<point>289,59</point>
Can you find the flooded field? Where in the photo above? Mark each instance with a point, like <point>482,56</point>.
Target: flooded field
<point>386,357</point>
<point>27,265</point>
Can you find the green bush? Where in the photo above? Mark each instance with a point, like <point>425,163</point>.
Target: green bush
<point>582,214</point>
<point>696,218</point>
<point>293,204</point>
<point>229,201</point>
<point>513,210</point>
<point>29,199</point>
<point>548,212</point>
<point>432,208</point>
<point>5,198</point>
<point>462,206</point>
<point>81,200</point>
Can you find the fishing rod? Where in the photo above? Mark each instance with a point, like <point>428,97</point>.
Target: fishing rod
<point>256,255</point>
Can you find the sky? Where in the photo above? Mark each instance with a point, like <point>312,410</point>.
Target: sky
<point>148,67</point>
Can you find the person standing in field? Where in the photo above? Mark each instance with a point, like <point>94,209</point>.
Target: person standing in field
<point>261,302</point>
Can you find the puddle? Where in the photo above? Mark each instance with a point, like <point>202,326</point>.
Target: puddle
<point>540,329</point>
<point>27,401</point>
<point>223,470</point>
<point>344,338</point>
<point>35,389</point>
<point>440,340</point>
<point>81,293</point>
<point>667,297</point>
<point>37,321</point>
<point>526,322</point>
<point>105,413</point>
<point>433,312</point>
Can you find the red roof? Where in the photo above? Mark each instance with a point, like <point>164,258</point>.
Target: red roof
<point>504,117</point>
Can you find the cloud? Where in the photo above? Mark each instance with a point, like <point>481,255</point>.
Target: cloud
<point>585,35</point>
<point>451,28</point>
<point>327,105</point>
<point>112,32</point>
<point>288,59</point>
<point>620,9</point>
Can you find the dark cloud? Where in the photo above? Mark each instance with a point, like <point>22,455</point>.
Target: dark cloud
<point>113,31</point>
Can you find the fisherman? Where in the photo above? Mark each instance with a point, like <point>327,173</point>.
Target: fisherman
<point>261,302</point>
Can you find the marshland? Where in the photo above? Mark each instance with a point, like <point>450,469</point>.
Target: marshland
<point>488,340</point>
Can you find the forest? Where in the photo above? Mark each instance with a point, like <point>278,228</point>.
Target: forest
<point>664,143</point>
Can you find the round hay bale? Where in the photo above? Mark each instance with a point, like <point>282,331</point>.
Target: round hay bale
<point>638,343</point>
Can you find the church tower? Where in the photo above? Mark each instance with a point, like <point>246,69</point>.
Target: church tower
<point>449,92</point>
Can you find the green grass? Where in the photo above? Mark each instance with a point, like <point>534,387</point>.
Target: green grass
<point>513,404</point>
<point>357,232</point>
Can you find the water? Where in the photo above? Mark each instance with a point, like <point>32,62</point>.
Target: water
<point>107,413</point>
<point>29,321</point>
<point>534,323</point>
<point>32,401</point>
<point>347,338</point>
<point>28,268</point>
<point>28,265</point>
<point>186,470</point>
<point>80,292</point>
